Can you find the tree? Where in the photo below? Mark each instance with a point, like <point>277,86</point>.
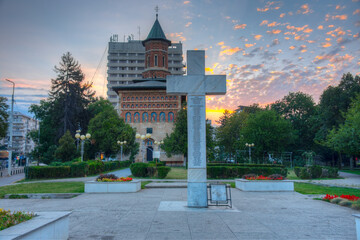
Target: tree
<point>299,108</point>
<point>107,128</point>
<point>268,131</point>
<point>228,135</point>
<point>67,149</point>
<point>176,142</point>
<point>346,138</point>
<point>3,117</point>
<point>70,95</point>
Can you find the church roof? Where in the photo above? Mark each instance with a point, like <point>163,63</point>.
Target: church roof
<point>143,84</point>
<point>156,33</point>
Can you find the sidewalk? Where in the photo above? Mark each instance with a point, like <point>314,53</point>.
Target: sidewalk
<point>11,179</point>
<point>350,180</point>
<point>148,214</point>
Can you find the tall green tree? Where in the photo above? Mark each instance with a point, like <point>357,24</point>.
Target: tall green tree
<point>70,95</point>
<point>67,149</point>
<point>3,116</point>
<point>346,138</point>
<point>300,109</point>
<point>229,134</point>
<point>268,131</point>
<point>107,128</point>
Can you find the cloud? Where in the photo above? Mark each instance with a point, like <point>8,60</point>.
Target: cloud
<point>240,26</point>
<point>220,43</point>
<point>275,42</point>
<point>273,24</point>
<point>188,24</point>
<point>304,9</point>
<point>230,51</point>
<point>292,47</point>
<point>186,2</point>
<point>247,45</point>
<point>176,36</point>
<point>274,31</point>
<point>270,6</point>
<point>208,69</point>
<point>357,11</point>
<point>303,48</point>
<point>258,37</point>
<point>307,30</point>
<point>264,22</point>
<point>339,7</point>
<point>262,9</point>
<point>320,27</point>
<point>326,44</point>
<point>340,17</point>
<point>282,15</point>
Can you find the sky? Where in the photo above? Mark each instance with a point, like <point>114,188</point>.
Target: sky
<point>266,48</point>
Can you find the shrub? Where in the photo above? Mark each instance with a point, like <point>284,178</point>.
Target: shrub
<point>79,169</point>
<point>95,167</point>
<point>250,175</point>
<point>331,172</point>
<point>356,205</point>
<point>345,202</point>
<point>223,172</point>
<point>151,171</point>
<point>304,173</point>
<point>336,200</point>
<point>36,172</point>
<point>139,169</point>
<point>124,164</point>
<point>315,171</point>
<point>297,171</point>
<point>56,164</point>
<point>109,176</point>
<point>212,164</point>
<point>108,166</point>
<point>163,171</point>
<point>276,176</point>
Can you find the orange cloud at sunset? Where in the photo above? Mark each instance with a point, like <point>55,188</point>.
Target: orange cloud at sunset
<point>264,22</point>
<point>357,11</point>
<point>304,9</point>
<point>274,31</point>
<point>230,51</point>
<point>326,44</point>
<point>249,45</point>
<point>320,27</point>
<point>215,114</point>
<point>240,26</point>
<point>258,37</point>
<point>340,17</point>
<point>292,47</point>
<point>282,15</point>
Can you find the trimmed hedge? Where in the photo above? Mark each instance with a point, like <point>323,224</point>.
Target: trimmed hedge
<point>222,172</point>
<point>316,172</point>
<point>72,169</point>
<point>139,169</point>
<point>163,171</point>
<point>243,165</point>
<point>47,172</point>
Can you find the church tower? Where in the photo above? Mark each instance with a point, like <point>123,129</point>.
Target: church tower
<point>156,53</point>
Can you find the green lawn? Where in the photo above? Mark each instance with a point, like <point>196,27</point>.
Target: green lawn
<point>49,187</point>
<point>291,175</point>
<point>177,173</point>
<point>308,188</point>
<point>352,171</point>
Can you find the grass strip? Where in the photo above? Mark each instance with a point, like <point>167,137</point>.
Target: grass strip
<point>308,188</point>
<point>352,171</point>
<point>144,183</point>
<point>44,187</point>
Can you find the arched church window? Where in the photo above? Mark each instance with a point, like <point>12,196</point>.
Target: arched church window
<point>156,60</point>
<point>128,98</point>
<point>145,98</point>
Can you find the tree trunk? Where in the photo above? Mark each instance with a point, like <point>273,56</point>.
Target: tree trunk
<point>340,160</point>
<point>351,162</point>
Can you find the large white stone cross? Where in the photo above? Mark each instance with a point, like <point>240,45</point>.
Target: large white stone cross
<point>196,85</point>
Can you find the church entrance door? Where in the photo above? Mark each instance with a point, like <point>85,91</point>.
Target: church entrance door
<point>149,153</point>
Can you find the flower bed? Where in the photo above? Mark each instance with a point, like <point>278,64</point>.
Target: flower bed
<point>344,200</point>
<point>261,177</point>
<point>264,184</point>
<point>8,218</point>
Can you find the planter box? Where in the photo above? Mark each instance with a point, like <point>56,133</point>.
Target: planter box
<point>112,187</point>
<point>357,221</point>
<point>46,225</point>
<point>264,185</point>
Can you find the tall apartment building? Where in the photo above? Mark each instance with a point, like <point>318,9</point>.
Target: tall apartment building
<point>126,61</point>
<point>22,125</point>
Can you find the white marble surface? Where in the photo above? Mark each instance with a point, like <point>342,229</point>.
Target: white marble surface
<point>112,187</point>
<point>196,85</point>
<point>265,185</point>
<point>357,222</point>
<point>181,206</point>
<point>47,225</point>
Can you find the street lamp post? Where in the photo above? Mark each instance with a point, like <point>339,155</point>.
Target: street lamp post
<point>250,145</point>
<point>143,139</point>
<point>11,128</point>
<point>82,138</point>
<point>77,135</point>
<point>121,145</point>
<point>158,143</point>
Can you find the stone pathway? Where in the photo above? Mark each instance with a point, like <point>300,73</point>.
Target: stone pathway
<point>11,179</point>
<point>142,215</point>
<point>350,180</point>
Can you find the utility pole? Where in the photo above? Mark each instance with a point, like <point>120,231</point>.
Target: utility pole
<point>11,128</point>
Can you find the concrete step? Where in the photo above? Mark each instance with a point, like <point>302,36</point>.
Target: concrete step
<point>167,185</point>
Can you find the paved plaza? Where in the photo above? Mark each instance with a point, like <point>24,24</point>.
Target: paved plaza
<point>280,215</point>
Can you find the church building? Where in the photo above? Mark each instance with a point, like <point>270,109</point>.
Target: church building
<point>143,102</point>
